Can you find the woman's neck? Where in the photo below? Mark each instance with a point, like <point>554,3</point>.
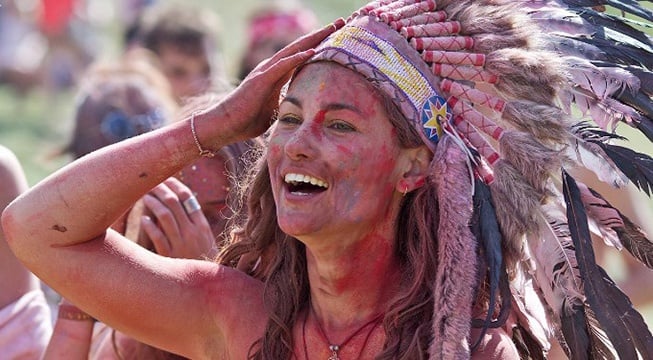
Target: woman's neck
<point>353,284</point>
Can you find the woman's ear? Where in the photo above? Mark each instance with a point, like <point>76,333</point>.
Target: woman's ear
<point>417,170</point>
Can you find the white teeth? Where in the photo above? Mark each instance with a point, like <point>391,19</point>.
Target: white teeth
<point>294,179</point>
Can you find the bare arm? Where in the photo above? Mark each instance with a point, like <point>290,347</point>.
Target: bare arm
<point>15,279</point>
<point>59,227</point>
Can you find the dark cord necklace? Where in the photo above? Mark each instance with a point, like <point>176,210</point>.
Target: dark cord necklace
<point>334,348</point>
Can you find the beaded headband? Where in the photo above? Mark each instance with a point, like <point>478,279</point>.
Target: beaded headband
<point>384,57</point>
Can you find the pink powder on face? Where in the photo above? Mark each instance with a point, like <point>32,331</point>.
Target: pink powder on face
<point>316,127</point>
<point>389,160</point>
<point>345,150</point>
<point>274,148</point>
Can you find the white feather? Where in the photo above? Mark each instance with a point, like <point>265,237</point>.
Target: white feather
<point>593,158</point>
<point>555,268</point>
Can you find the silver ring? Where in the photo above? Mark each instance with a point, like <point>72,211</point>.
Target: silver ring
<point>191,205</point>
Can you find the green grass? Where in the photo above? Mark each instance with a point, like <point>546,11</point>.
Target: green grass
<point>34,127</point>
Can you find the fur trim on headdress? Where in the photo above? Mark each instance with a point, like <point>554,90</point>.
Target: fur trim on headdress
<point>457,254</point>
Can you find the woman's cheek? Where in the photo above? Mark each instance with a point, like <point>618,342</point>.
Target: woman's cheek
<point>275,148</point>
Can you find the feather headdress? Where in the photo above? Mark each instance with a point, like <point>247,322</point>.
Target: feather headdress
<point>514,95</point>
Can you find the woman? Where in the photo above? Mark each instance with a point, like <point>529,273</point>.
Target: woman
<point>359,240</point>
<point>354,278</point>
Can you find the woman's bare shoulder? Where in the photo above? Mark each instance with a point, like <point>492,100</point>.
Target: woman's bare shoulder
<point>236,301</point>
<point>226,286</point>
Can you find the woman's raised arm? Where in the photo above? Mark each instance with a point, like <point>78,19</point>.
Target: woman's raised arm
<point>58,229</point>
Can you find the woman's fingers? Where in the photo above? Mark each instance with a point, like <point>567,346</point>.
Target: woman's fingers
<point>181,229</point>
<point>172,198</point>
<point>248,110</point>
<point>258,95</point>
<point>301,45</point>
<point>159,240</point>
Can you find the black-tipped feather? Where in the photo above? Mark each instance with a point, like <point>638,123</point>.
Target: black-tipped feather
<point>628,6</point>
<point>570,46</point>
<point>621,53</point>
<point>635,241</point>
<point>574,330</point>
<point>637,329</point>
<point>646,127</point>
<point>596,289</point>
<point>637,166</point>
<point>642,103</point>
<point>631,236</point>
<point>645,76</point>
<point>639,101</point>
<point>486,229</point>
<point>603,20</point>
<point>528,347</point>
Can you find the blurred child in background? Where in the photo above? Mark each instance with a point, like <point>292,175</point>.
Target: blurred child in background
<point>271,27</point>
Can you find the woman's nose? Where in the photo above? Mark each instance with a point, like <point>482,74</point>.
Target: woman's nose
<point>302,144</point>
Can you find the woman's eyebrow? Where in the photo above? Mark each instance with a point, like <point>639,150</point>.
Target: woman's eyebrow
<point>328,107</point>
<point>341,106</point>
<point>292,100</point>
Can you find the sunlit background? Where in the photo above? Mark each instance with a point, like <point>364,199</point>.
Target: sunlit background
<point>36,105</point>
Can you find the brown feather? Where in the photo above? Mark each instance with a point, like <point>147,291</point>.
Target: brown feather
<point>533,75</point>
<point>515,202</point>
<point>535,161</point>
<point>546,123</point>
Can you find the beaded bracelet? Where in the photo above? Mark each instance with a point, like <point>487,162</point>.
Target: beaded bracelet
<point>72,312</point>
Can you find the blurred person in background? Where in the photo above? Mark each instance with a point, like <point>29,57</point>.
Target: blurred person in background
<point>25,323</point>
<point>185,40</point>
<point>72,42</point>
<point>272,26</point>
<point>46,43</point>
<point>117,101</point>
<point>130,14</point>
<point>22,47</point>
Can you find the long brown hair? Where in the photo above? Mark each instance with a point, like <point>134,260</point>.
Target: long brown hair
<point>262,249</point>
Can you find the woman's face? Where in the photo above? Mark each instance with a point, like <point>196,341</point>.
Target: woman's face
<point>207,178</point>
<point>334,157</point>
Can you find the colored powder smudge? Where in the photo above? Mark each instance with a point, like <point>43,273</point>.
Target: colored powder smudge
<point>316,126</point>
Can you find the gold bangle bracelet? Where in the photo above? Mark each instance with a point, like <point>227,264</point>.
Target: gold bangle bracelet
<point>203,152</point>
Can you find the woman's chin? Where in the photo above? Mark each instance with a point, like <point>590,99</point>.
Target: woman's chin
<point>296,227</point>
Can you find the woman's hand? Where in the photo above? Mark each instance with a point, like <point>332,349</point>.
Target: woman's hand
<point>174,230</point>
<point>248,111</point>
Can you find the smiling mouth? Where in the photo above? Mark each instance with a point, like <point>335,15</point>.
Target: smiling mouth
<point>304,184</point>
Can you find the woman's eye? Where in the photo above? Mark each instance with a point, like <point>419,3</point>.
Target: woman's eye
<point>341,126</point>
<point>289,119</point>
